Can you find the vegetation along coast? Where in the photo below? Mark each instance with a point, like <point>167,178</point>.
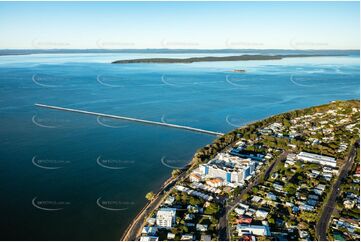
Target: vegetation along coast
<point>241,180</point>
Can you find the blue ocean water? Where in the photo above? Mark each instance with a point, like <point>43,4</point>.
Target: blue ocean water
<point>68,176</point>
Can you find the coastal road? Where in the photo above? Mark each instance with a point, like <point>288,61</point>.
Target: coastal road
<point>323,222</point>
<point>134,230</point>
<point>223,228</point>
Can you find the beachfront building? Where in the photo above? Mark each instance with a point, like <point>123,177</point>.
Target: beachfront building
<point>318,159</point>
<point>166,217</point>
<point>194,192</point>
<point>231,169</point>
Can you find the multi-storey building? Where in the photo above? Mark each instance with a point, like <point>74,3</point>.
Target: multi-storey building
<point>166,217</point>
<point>231,169</point>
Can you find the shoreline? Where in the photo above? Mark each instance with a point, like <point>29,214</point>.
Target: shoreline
<point>189,167</point>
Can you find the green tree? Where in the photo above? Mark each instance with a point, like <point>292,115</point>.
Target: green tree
<point>194,201</point>
<point>184,229</point>
<point>149,196</point>
<point>212,209</point>
<point>309,216</point>
<point>291,188</point>
<point>254,189</point>
<point>175,172</point>
<point>178,197</point>
<point>184,197</point>
<point>271,221</point>
<point>237,191</point>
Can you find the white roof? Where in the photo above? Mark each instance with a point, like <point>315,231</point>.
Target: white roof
<point>317,157</point>
<point>170,211</point>
<point>149,238</point>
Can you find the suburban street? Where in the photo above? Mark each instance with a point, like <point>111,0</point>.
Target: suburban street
<point>134,230</point>
<point>322,225</point>
<point>224,232</point>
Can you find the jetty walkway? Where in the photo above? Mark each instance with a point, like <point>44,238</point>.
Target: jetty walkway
<point>131,119</point>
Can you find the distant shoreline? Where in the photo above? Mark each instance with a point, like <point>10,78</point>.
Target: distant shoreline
<point>7,52</point>
<point>214,58</point>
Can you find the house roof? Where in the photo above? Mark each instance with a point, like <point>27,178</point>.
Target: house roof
<point>215,180</point>
<point>195,176</point>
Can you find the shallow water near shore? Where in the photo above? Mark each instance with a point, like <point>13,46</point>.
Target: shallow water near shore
<point>66,176</point>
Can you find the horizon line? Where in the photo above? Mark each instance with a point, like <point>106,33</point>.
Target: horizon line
<point>108,49</point>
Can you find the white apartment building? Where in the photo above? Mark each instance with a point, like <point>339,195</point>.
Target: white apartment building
<point>166,217</point>
<point>231,169</point>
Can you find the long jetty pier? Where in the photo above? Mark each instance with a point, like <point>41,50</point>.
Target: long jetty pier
<point>130,119</point>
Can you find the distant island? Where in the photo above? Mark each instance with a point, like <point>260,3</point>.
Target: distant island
<point>211,58</point>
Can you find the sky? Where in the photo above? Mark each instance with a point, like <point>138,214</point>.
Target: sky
<point>179,25</point>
